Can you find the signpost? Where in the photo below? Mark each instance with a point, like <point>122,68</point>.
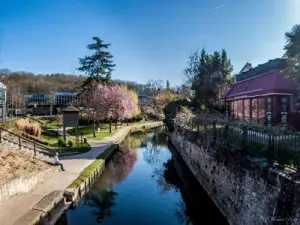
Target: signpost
<point>70,119</point>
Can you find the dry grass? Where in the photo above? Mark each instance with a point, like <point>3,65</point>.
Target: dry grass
<point>14,164</point>
<point>30,127</point>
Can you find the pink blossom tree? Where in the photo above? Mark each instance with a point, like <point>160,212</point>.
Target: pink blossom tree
<point>112,103</point>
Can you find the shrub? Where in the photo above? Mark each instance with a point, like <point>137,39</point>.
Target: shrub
<point>29,126</point>
<point>171,110</point>
<point>61,142</point>
<point>70,143</point>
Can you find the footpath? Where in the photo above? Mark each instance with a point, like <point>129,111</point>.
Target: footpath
<point>12,209</point>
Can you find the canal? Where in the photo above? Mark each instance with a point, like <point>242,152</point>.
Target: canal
<point>145,182</point>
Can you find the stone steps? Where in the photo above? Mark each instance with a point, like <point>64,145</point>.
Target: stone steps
<point>27,147</point>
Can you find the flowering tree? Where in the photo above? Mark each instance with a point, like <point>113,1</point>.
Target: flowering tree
<point>162,99</point>
<point>133,99</point>
<point>111,102</point>
<point>122,106</point>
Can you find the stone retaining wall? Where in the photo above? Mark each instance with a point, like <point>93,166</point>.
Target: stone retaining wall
<point>24,183</point>
<point>245,193</point>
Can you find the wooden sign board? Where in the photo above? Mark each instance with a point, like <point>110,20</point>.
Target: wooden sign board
<point>70,117</point>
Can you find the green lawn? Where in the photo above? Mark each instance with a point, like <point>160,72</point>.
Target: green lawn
<point>88,132</point>
<point>52,137</point>
<point>49,122</point>
<point>104,130</point>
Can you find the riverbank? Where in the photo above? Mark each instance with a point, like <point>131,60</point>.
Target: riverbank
<point>21,208</point>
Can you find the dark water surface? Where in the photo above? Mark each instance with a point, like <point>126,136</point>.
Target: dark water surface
<point>146,182</point>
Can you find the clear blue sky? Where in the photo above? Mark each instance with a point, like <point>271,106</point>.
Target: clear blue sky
<point>151,39</point>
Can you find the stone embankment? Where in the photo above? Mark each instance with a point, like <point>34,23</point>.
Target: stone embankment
<point>246,192</point>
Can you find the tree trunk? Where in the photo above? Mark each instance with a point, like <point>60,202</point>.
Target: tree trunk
<point>127,122</point>
<point>99,124</point>
<point>94,128</point>
<point>116,125</point>
<point>110,122</point>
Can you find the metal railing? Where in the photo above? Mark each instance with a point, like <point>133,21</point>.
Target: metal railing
<point>22,142</point>
<point>278,148</point>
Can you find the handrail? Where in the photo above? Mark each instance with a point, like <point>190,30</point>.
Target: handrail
<point>26,139</point>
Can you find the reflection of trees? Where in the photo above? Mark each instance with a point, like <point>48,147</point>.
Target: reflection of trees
<point>102,196</point>
<point>132,142</point>
<point>181,212</point>
<point>166,176</point>
<point>153,155</point>
<point>117,169</point>
<point>103,202</point>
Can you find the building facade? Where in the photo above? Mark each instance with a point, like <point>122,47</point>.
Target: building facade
<point>262,95</point>
<point>46,104</point>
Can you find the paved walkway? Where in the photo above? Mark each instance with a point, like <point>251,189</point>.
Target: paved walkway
<point>15,207</point>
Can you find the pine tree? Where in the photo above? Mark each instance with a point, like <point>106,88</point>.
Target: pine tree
<point>168,85</point>
<point>99,66</point>
<point>292,54</point>
<point>210,76</point>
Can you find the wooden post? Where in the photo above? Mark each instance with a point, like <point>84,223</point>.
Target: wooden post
<point>34,149</point>
<point>64,130</point>
<point>81,134</point>
<point>20,147</point>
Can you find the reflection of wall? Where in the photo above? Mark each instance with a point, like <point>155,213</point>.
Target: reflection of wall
<point>199,206</point>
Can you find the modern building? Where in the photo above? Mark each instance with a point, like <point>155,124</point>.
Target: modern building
<point>2,102</point>
<point>45,104</point>
<point>263,95</point>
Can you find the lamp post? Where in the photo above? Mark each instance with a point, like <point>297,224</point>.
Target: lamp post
<point>80,120</point>
<point>92,110</point>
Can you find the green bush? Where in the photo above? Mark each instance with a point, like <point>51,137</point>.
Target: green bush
<point>9,124</point>
<point>171,110</point>
<point>70,143</point>
<point>61,142</point>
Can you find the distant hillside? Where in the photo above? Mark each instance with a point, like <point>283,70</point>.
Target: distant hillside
<point>21,83</point>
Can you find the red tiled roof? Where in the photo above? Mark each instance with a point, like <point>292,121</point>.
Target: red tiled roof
<point>271,82</point>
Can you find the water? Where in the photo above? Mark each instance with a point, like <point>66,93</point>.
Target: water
<point>146,182</point>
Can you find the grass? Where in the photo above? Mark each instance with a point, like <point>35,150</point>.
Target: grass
<point>52,125</point>
<point>9,123</point>
<point>52,137</point>
<point>104,130</point>
<point>88,132</point>
<point>50,122</point>
<point>91,168</point>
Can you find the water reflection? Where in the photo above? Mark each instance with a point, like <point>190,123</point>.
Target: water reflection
<point>144,183</point>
